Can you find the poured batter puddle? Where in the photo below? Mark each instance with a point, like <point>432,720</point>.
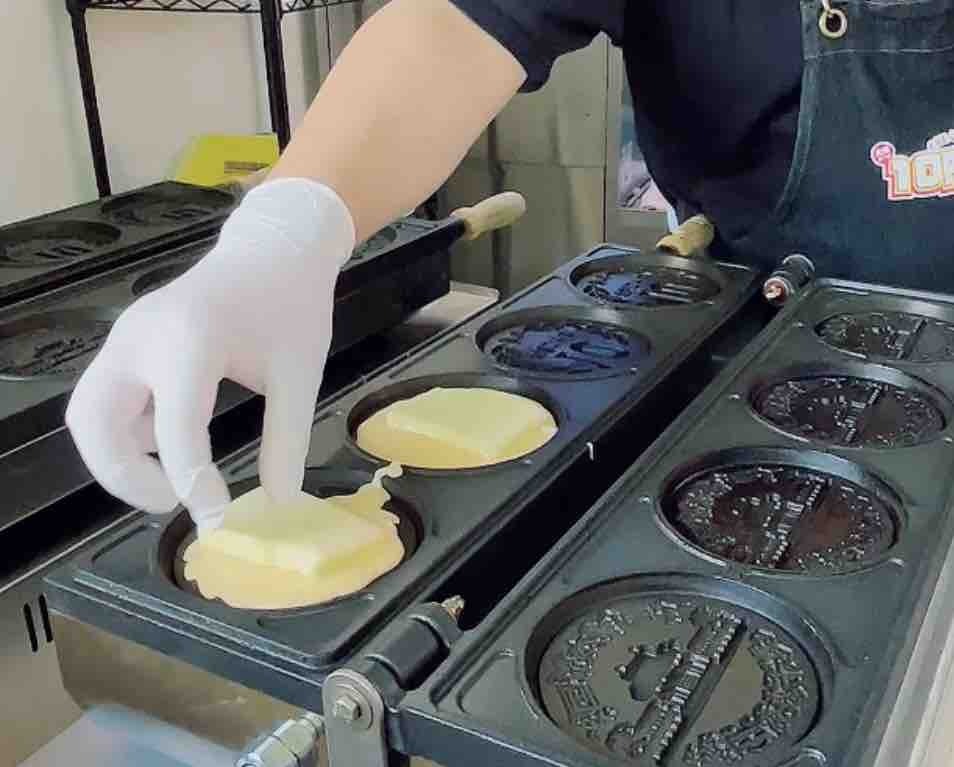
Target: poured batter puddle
<point>155,279</point>
<point>849,411</point>
<point>669,679</point>
<point>248,585</point>
<point>456,428</point>
<point>783,517</point>
<point>894,336</point>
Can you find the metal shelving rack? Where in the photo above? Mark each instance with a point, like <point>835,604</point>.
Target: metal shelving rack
<point>271,11</point>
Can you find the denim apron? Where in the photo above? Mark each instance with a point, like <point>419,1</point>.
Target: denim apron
<point>870,193</point>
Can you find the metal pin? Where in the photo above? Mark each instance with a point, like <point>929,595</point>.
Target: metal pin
<point>347,709</point>
<point>454,607</point>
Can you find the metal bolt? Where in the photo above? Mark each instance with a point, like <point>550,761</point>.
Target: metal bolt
<point>454,607</point>
<point>347,709</point>
<point>773,290</point>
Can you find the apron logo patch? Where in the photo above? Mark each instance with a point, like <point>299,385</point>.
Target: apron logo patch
<point>925,174</point>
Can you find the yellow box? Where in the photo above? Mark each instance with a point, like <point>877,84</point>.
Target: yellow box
<point>215,159</point>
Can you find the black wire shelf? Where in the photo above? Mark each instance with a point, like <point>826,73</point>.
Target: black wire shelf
<point>208,6</point>
<point>271,13</point>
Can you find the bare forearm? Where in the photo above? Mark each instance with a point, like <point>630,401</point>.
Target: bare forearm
<point>407,98</point>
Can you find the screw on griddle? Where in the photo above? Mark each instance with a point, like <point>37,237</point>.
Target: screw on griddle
<point>347,709</point>
<point>454,607</point>
<point>774,290</point>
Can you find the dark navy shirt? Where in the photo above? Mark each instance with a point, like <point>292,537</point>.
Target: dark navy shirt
<point>716,85</point>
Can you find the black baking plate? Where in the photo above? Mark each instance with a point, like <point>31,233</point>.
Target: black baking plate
<point>55,248</point>
<point>750,592</point>
<point>47,341</point>
<point>606,413</point>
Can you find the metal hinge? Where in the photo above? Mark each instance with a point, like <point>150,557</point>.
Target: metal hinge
<point>354,706</point>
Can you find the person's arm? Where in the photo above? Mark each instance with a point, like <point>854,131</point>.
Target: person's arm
<point>407,98</point>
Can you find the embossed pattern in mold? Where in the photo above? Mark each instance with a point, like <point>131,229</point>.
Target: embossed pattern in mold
<point>166,207</point>
<point>52,349</point>
<point>378,241</point>
<point>155,279</point>
<point>847,411</point>
<point>651,286</point>
<point>896,336</point>
<point>567,347</point>
<point>51,243</point>
<point>675,679</point>
<point>784,518</point>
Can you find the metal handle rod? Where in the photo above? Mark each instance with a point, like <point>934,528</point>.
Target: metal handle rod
<point>500,255</point>
<point>84,62</point>
<point>271,11</point>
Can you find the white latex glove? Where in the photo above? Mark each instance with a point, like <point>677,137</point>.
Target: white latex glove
<point>256,309</point>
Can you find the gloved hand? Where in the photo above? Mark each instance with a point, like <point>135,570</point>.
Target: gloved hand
<point>256,309</point>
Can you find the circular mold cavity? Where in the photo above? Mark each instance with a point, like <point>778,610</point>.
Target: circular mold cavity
<point>890,336</point>
<point>679,670</point>
<point>629,282</point>
<point>873,407</point>
<point>158,277</point>
<point>321,482</point>
<point>54,344</point>
<point>800,512</point>
<point>376,242</point>
<point>166,207</point>
<point>562,342</point>
<point>380,399</point>
<point>50,243</point>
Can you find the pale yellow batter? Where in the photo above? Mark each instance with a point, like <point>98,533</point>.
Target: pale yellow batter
<point>303,553</point>
<point>457,429</point>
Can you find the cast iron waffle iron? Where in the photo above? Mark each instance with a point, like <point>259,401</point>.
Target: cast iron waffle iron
<point>46,342</point>
<point>49,250</point>
<point>609,374</point>
<point>750,592</point>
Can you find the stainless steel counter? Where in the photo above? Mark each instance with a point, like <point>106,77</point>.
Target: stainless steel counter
<point>34,707</point>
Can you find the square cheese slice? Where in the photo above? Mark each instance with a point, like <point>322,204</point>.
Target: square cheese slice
<point>310,535</point>
<point>486,421</point>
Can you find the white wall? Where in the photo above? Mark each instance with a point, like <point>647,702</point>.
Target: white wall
<point>162,78</point>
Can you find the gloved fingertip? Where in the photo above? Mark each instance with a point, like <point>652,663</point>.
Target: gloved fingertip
<point>208,520</point>
<point>281,484</point>
<point>142,485</point>
<point>206,494</point>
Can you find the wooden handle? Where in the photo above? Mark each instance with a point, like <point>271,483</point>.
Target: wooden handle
<point>245,184</point>
<point>249,182</point>
<point>495,212</point>
<point>690,238</point>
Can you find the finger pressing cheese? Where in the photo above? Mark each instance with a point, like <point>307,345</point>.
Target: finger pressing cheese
<point>305,552</point>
